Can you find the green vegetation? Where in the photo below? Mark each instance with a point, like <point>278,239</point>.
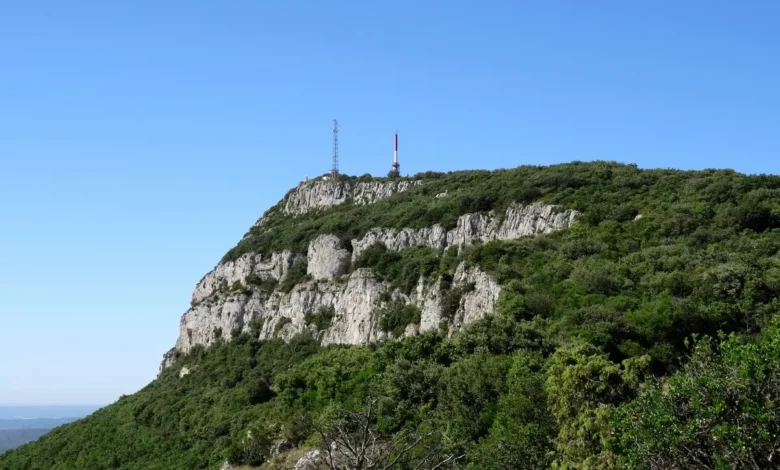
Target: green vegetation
<point>281,323</point>
<point>401,269</point>
<point>396,316</point>
<point>266,286</point>
<point>623,342</point>
<point>295,275</point>
<point>321,319</point>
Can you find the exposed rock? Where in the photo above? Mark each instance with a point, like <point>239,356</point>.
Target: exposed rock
<point>309,461</point>
<point>479,301</point>
<point>518,221</point>
<point>435,237</point>
<point>326,260</point>
<point>226,274</point>
<point>170,359</point>
<point>225,314</point>
<point>370,192</point>
<point>355,298</point>
<point>318,194</point>
<point>355,304</point>
<point>532,219</point>
<point>226,466</point>
<point>472,228</point>
<point>184,371</point>
<point>280,447</point>
<point>638,216</point>
<point>430,303</point>
<point>313,195</point>
<point>355,321</point>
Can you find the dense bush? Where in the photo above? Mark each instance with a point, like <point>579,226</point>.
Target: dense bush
<point>401,269</point>
<point>295,275</point>
<point>396,316</point>
<point>720,411</point>
<point>321,319</point>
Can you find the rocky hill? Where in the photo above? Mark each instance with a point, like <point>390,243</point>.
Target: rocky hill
<point>586,315</point>
<point>244,292</point>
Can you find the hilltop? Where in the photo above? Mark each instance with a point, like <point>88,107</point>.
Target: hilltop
<point>583,315</point>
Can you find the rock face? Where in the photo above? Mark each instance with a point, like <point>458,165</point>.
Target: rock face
<point>309,461</point>
<point>354,302</point>
<point>478,301</point>
<point>226,274</point>
<point>326,260</point>
<point>230,299</point>
<point>318,194</point>
<point>518,221</point>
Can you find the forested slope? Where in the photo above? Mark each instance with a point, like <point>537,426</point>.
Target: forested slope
<point>642,337</point>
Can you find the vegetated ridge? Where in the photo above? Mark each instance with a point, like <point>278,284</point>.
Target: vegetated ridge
<point>585,315</point>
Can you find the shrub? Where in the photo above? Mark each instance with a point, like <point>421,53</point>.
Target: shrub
<point>266,286</point>
<point>281,323</point>
<point>321,319</point>
<point>396,316</point>
<point>451,300</point>
<point>295,275</point>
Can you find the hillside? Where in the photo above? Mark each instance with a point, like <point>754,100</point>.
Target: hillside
<point>584,315</point>
<point>10,438</point>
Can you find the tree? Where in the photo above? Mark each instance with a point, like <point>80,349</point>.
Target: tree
<point>721,411</point>
<point>582,386</point>
<point>522,433</point>
<point>350,440</point>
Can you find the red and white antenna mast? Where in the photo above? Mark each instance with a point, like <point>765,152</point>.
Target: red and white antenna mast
<point>396,166</point>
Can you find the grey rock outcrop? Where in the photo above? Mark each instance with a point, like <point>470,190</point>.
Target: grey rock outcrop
<point>355,303</point>
<point>518,221</point>
<point>395,240</point>
<point>532,219</point>
<point>170,359</point>
<point>319,194</point>
<point>310,461</point>
<point>430,303</point>
<point>326,259</point>
<point>356,298</point>
<point>480,298</point>
<point>226,274</point>
<point>370,192</point>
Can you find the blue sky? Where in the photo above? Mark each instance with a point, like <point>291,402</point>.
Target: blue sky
<point>140,140</point>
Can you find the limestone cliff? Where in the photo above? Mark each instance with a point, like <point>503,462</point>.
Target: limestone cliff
<point>518,221</point>
<point>316,194</point>
<point>235,297</point>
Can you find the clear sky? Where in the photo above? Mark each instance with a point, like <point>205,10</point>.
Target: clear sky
<point>140,140</point>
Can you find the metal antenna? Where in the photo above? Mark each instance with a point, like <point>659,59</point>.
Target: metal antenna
<point>334,172</point>
<point>396,166</point>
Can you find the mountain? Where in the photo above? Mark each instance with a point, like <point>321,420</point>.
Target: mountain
<point>22,424</point>
<point>11,438</point>
<point>26,412</point>
<point>33,423</point>
<point>583,315</point>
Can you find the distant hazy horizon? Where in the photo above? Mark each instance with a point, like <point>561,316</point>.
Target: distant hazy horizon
<point>31,411</point>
